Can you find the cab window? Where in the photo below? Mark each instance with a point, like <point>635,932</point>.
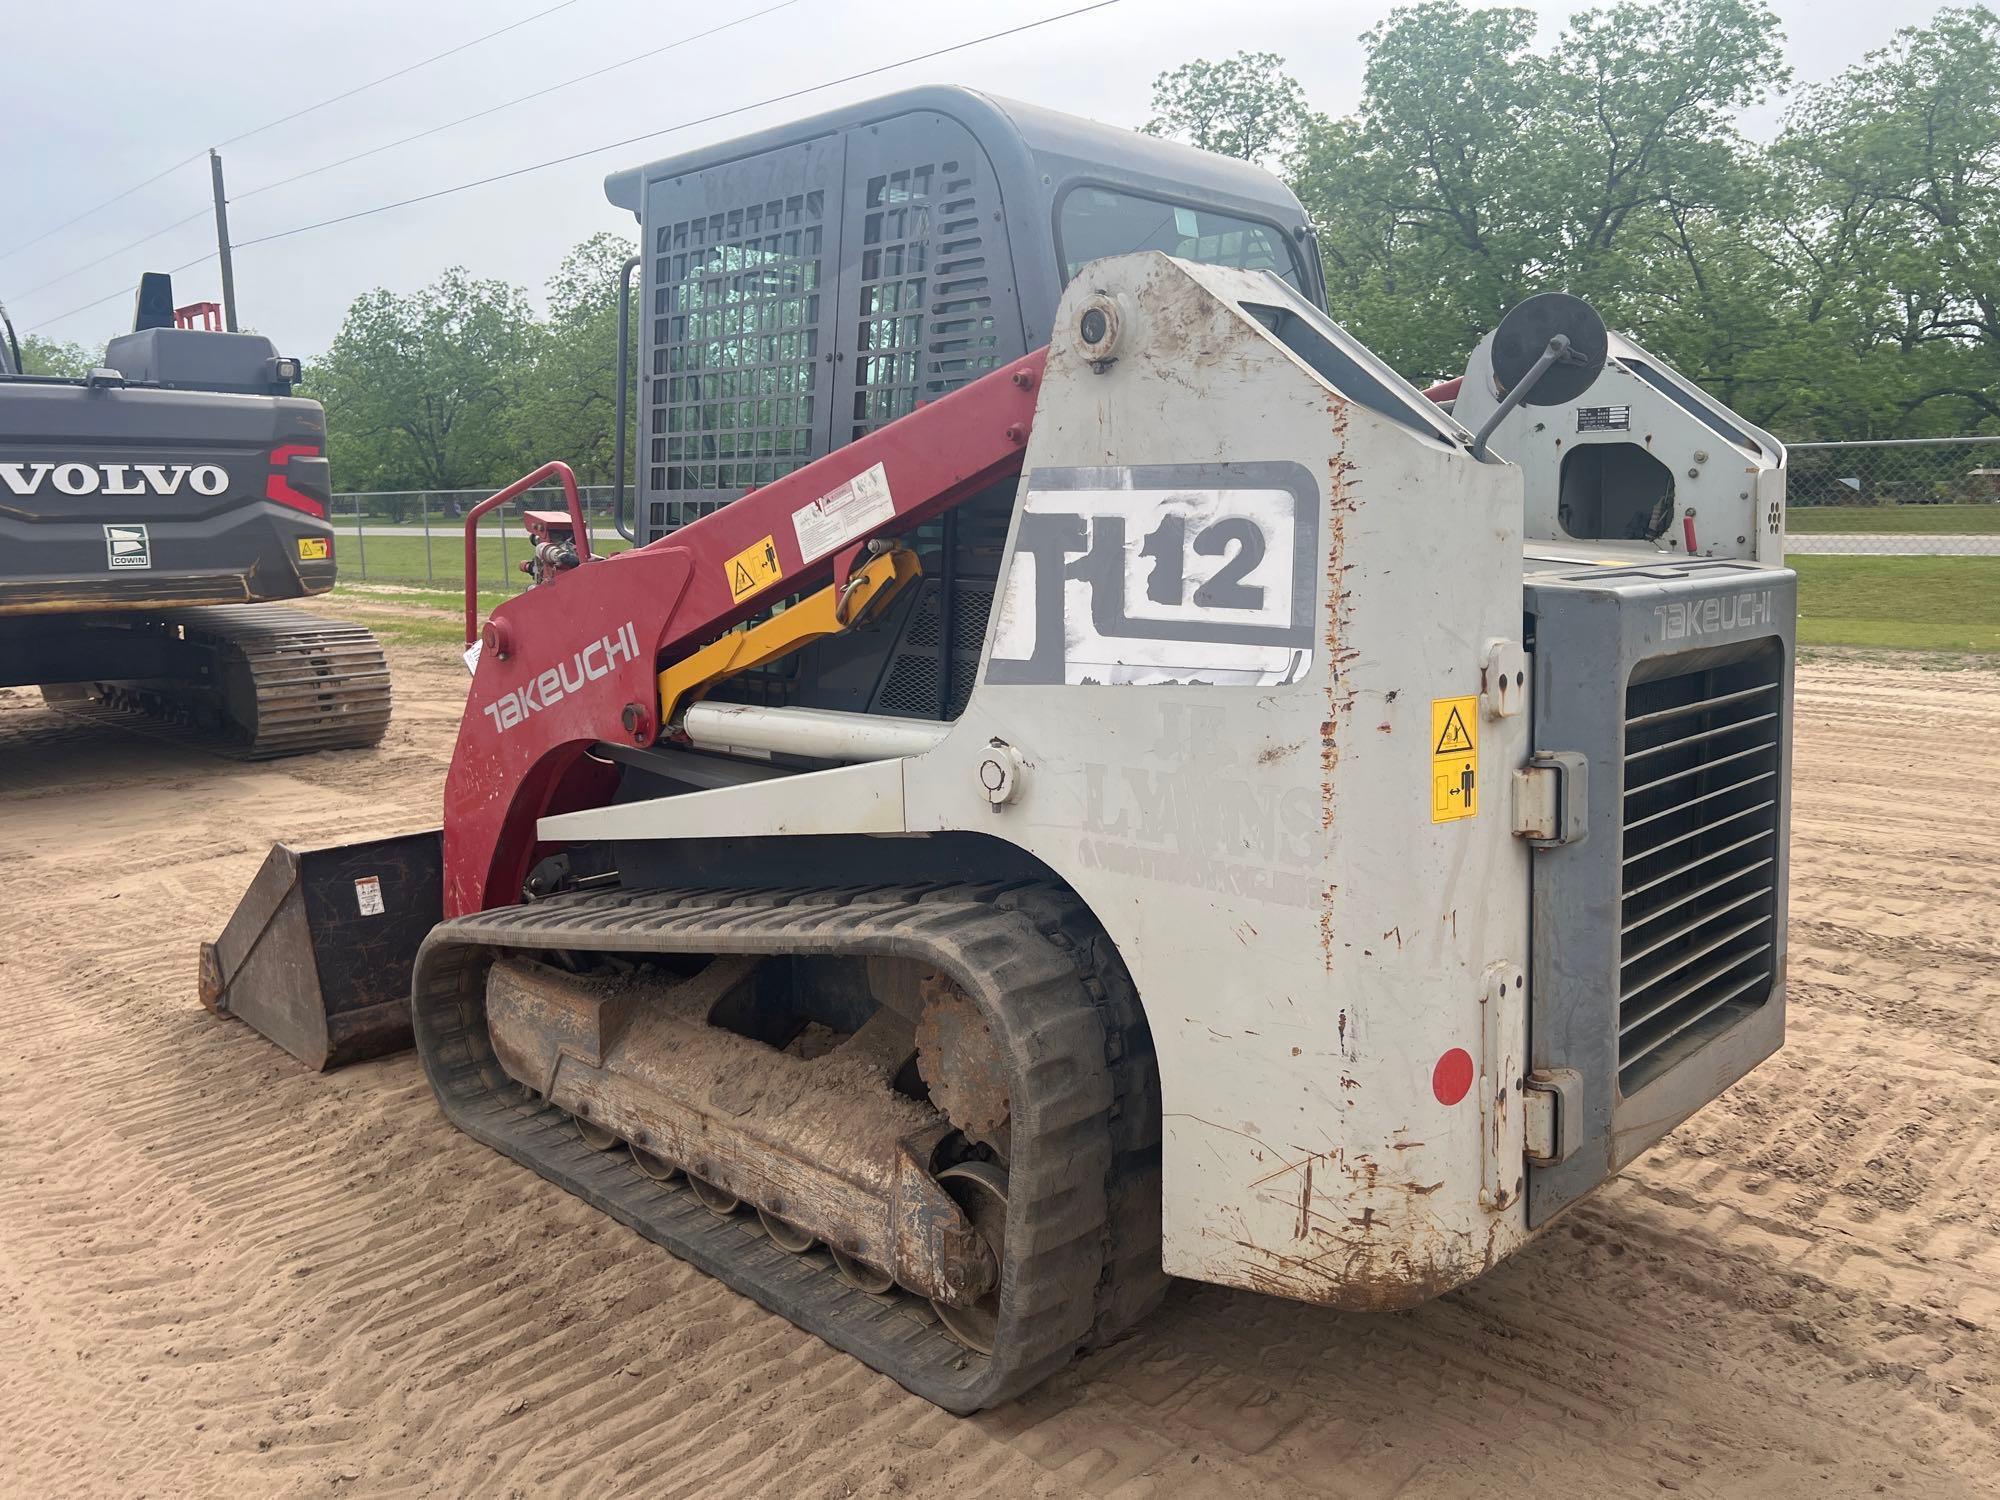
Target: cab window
<point>1095,222</point>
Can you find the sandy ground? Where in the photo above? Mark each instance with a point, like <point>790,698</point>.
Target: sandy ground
<point>221,1275</point>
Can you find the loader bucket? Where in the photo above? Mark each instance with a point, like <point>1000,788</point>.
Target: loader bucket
<point>318,953</point>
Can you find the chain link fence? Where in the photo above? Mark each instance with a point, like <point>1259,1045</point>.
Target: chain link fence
<point>1913,497</point>
<point>1907,497</point>
<point>417,537</point>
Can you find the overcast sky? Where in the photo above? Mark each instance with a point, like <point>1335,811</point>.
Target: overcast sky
<point>102,95</point>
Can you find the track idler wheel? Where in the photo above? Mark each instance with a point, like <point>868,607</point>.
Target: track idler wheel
<point>980,1188</point>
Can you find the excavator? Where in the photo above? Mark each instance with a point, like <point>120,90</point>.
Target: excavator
<point>1088,777</point>
<point>156,514</point>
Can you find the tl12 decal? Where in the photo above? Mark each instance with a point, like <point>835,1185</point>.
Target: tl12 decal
<point>1198,573</point>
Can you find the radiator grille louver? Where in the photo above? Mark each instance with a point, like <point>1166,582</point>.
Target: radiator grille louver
<point>1700,856</point>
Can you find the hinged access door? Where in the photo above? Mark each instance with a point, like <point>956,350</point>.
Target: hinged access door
<point>1659,933</point>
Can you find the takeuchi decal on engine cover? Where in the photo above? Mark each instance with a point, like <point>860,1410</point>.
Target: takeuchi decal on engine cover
<point>552,685</point>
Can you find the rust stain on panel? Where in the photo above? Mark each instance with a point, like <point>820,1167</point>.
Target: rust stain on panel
<point>1339,698</point>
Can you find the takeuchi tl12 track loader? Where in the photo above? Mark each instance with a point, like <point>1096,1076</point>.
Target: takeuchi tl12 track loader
<point>154,515</point>
<point>1126,787</point>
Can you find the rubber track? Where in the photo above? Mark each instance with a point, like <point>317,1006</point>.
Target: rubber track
<point>1079,1269</point>
<point>319,684</point>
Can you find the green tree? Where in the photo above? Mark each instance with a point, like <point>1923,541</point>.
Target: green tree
<point>567,409</point>
<point>1894,243</point>
<point>40,356</point>
<point>1244,106</point>
<point>420,391</point>
<point>1432,204</point>
<point>1478,171</point>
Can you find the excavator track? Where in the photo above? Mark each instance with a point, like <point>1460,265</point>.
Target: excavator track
<point>1081,1261</point>
<point>279,682</point>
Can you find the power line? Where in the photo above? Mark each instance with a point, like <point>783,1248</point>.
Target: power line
<point>121,292</point>
<point>494,109</point>
<point>203,212</point>
<point>284,120</point>
<point>631,140</point>
<point>114,198</point>
<point>400,72</point>
<point>144,239</point>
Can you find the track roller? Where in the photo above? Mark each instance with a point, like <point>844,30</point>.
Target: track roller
<point>860,1275</point>
<point>656,1167</point>
<point>718,1201</point>
<point>785,1234</point>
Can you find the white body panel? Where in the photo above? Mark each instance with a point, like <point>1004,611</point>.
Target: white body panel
<point>1727,476</point>
<point>1230,757</point>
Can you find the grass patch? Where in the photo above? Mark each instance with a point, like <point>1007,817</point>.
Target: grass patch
<point>412,615</point>
<point>404,559</point>
<point>1899,603</point>
<point>1894,520</point>
<point>1905,603</point>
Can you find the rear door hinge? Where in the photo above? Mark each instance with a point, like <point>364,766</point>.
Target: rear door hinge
<point>1552,1107</point>
<point>1552,799</point>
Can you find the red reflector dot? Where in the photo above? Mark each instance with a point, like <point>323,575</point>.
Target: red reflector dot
<point>1451,1079</point>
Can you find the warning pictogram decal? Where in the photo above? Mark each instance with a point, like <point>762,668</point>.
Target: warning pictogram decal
<point>753,568</point>
<point>1454,759</point>
<point>1453,738</point>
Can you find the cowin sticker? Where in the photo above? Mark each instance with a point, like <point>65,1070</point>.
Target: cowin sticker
<point>1157,574</point>
<point>127,546</point>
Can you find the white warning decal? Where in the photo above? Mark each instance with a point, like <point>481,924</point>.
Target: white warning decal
<point>368,895</point>
<point>843,514</point>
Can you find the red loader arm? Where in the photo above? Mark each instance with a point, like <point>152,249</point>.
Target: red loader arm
<point>574,661</point>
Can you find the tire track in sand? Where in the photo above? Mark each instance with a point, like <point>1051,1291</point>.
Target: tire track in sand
<point>219,1274</point>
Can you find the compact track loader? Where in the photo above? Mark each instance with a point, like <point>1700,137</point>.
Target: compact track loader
<point>1090,777</point>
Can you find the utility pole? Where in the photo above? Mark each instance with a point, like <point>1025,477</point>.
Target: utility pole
<point>222,242</point>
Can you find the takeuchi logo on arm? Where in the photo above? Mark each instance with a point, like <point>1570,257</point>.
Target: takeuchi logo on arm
<point>550,687</point>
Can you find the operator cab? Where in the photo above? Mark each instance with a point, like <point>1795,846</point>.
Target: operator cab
<point>803,286</point>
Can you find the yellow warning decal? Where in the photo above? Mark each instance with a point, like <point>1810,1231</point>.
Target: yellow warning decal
<point>753,568</point>
<point>314,549</point>
<point>1454,759</point>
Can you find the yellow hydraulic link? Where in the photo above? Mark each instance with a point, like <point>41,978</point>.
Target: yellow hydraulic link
<point>830,611</point>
